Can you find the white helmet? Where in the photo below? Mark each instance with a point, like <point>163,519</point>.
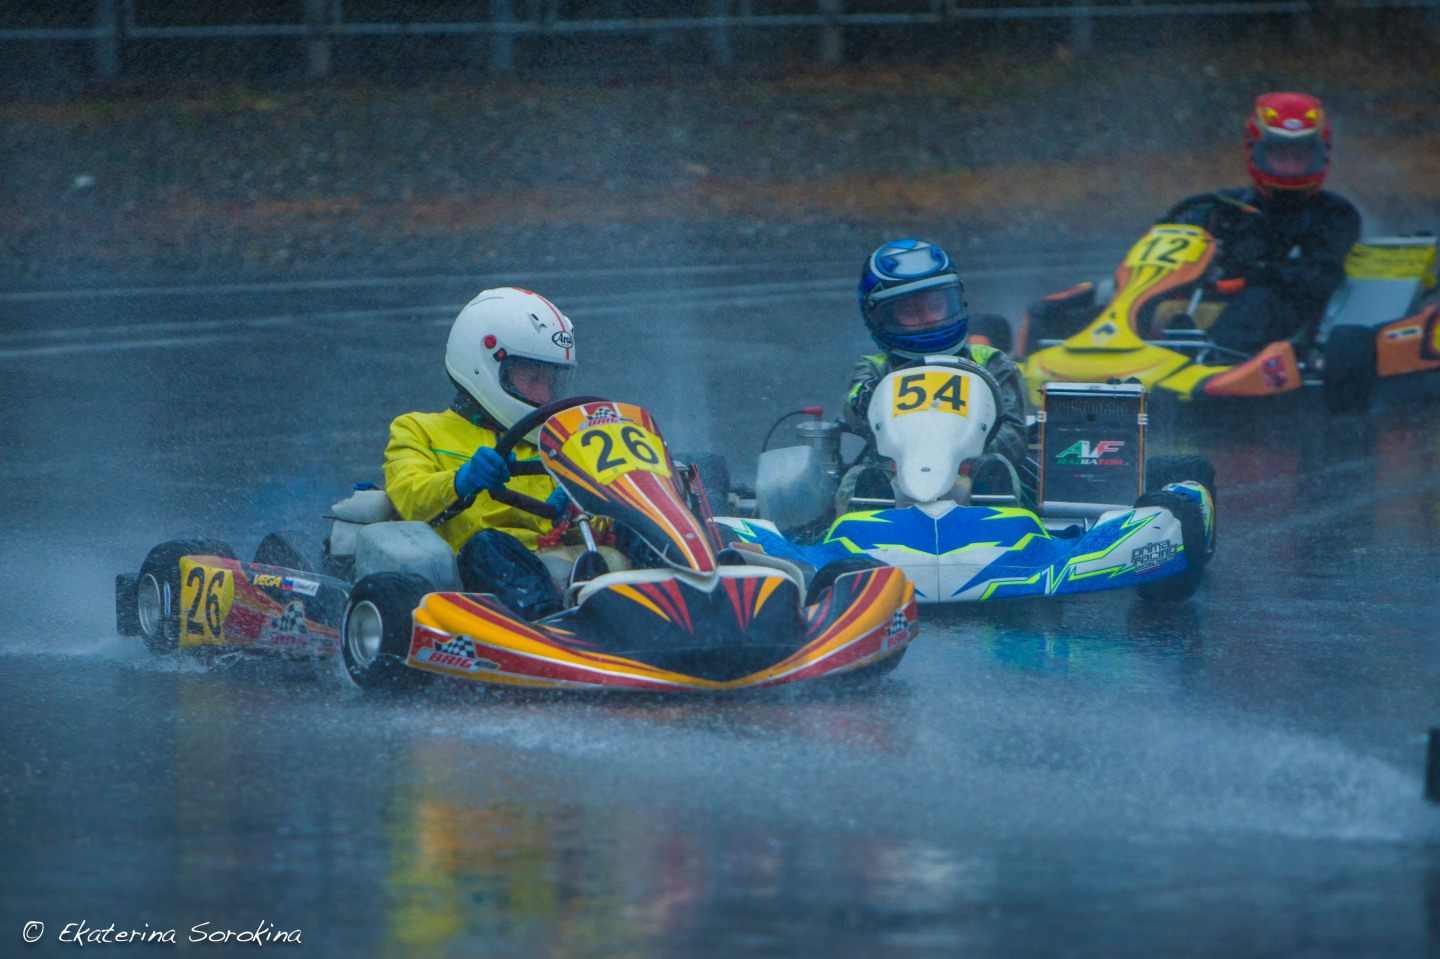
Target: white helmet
<point>512,351</point>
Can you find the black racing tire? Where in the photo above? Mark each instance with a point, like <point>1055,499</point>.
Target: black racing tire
<point>127,617</point>
<point>1349,376</point>
<point>157,590</point>
<point>1162,408</point>
<point>1161,471</point>
<point>291,549</point>
<point>825,577</point>
<point>1173,589</point>
<point>714,475</point>
<point>376,629</point>
<point>994,328</point>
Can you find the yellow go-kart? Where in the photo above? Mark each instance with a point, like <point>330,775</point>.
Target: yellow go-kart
<point>1383,321</point>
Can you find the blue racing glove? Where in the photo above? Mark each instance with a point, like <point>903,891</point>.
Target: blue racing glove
<point>485,471</point>
<point>559,501</point>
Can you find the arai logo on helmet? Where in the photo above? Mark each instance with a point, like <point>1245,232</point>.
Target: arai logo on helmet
<point>563,339</point>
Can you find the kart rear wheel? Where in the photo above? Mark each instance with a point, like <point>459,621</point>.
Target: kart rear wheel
<point>1173,589</point>
<point>1348,378</point>
<point>291,549</point>
<point>827,574</point>
<point>375,631</point>
<point>996,330</point>
<point>157,590</point>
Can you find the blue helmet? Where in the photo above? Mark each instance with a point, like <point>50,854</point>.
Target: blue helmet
<point>913,301</point>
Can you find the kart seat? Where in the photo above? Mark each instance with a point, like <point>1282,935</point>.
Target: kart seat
<point>560,562</point>
<point>1204,317</point>
<point>358,510</point>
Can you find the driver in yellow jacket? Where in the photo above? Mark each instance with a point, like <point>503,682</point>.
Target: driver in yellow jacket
<point>509,352</point>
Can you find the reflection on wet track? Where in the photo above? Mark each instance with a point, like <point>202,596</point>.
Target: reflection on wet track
<point>1236,775</point>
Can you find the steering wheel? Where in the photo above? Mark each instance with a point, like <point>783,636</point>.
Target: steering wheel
<point>1242,231</point>
<point>515,434</point>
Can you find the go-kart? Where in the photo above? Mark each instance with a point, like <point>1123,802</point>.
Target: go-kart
<point>1383,321</point>
<point>386,595</point>
<point>1105,518</point>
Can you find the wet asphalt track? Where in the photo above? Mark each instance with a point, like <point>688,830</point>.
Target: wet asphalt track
<point>1236,776</point>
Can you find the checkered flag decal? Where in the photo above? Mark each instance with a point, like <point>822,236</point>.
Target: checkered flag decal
<point>458,646</point>
<point>292,620</point>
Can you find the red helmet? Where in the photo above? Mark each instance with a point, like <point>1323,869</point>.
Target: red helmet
<point>1287,143</point>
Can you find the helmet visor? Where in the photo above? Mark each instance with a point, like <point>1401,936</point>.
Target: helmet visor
<point>920,312</point>
<point>1289,159</point>
<point>535,381</point>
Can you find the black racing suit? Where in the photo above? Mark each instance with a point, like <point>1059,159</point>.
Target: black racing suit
<point>1289,250</point>
<point>1009,438</point>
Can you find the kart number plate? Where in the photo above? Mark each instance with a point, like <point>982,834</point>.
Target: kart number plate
<point>934,391</point>
<point>608,451</point>
<point>205,597</point>
<point>1167,249</point>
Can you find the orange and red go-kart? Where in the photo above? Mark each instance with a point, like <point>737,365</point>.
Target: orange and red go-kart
<point>1383,321</point>
<point>385,596</point>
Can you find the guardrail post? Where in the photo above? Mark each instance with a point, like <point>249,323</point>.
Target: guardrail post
<point>1432,766</point>
<point>107,39</point>
<point>1082,28</point>
<point>832,35</point>
<point>320,15</point>
<point>502,42</point>
<point>720,36</point>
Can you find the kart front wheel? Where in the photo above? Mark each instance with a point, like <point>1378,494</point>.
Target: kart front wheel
<point>714,476</point>
<point>290,549</point>
<point>1161,471</point>
<point>375,631</point>
<point>825,578</point>
<point>1348,378</point>
<point>1174,588</point>
<point>157,590</point>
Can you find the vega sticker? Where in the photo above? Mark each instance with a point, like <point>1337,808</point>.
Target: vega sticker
<point>289,584</point>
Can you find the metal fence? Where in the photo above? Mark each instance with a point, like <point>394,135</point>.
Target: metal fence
<point>321,23</point>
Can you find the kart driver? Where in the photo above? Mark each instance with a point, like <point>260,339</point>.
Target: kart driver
<point>913,303</point>
<point>510,351</point>
<point>1283,242</point>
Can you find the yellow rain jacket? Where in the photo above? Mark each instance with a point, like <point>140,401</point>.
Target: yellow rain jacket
<point>424,452</point>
